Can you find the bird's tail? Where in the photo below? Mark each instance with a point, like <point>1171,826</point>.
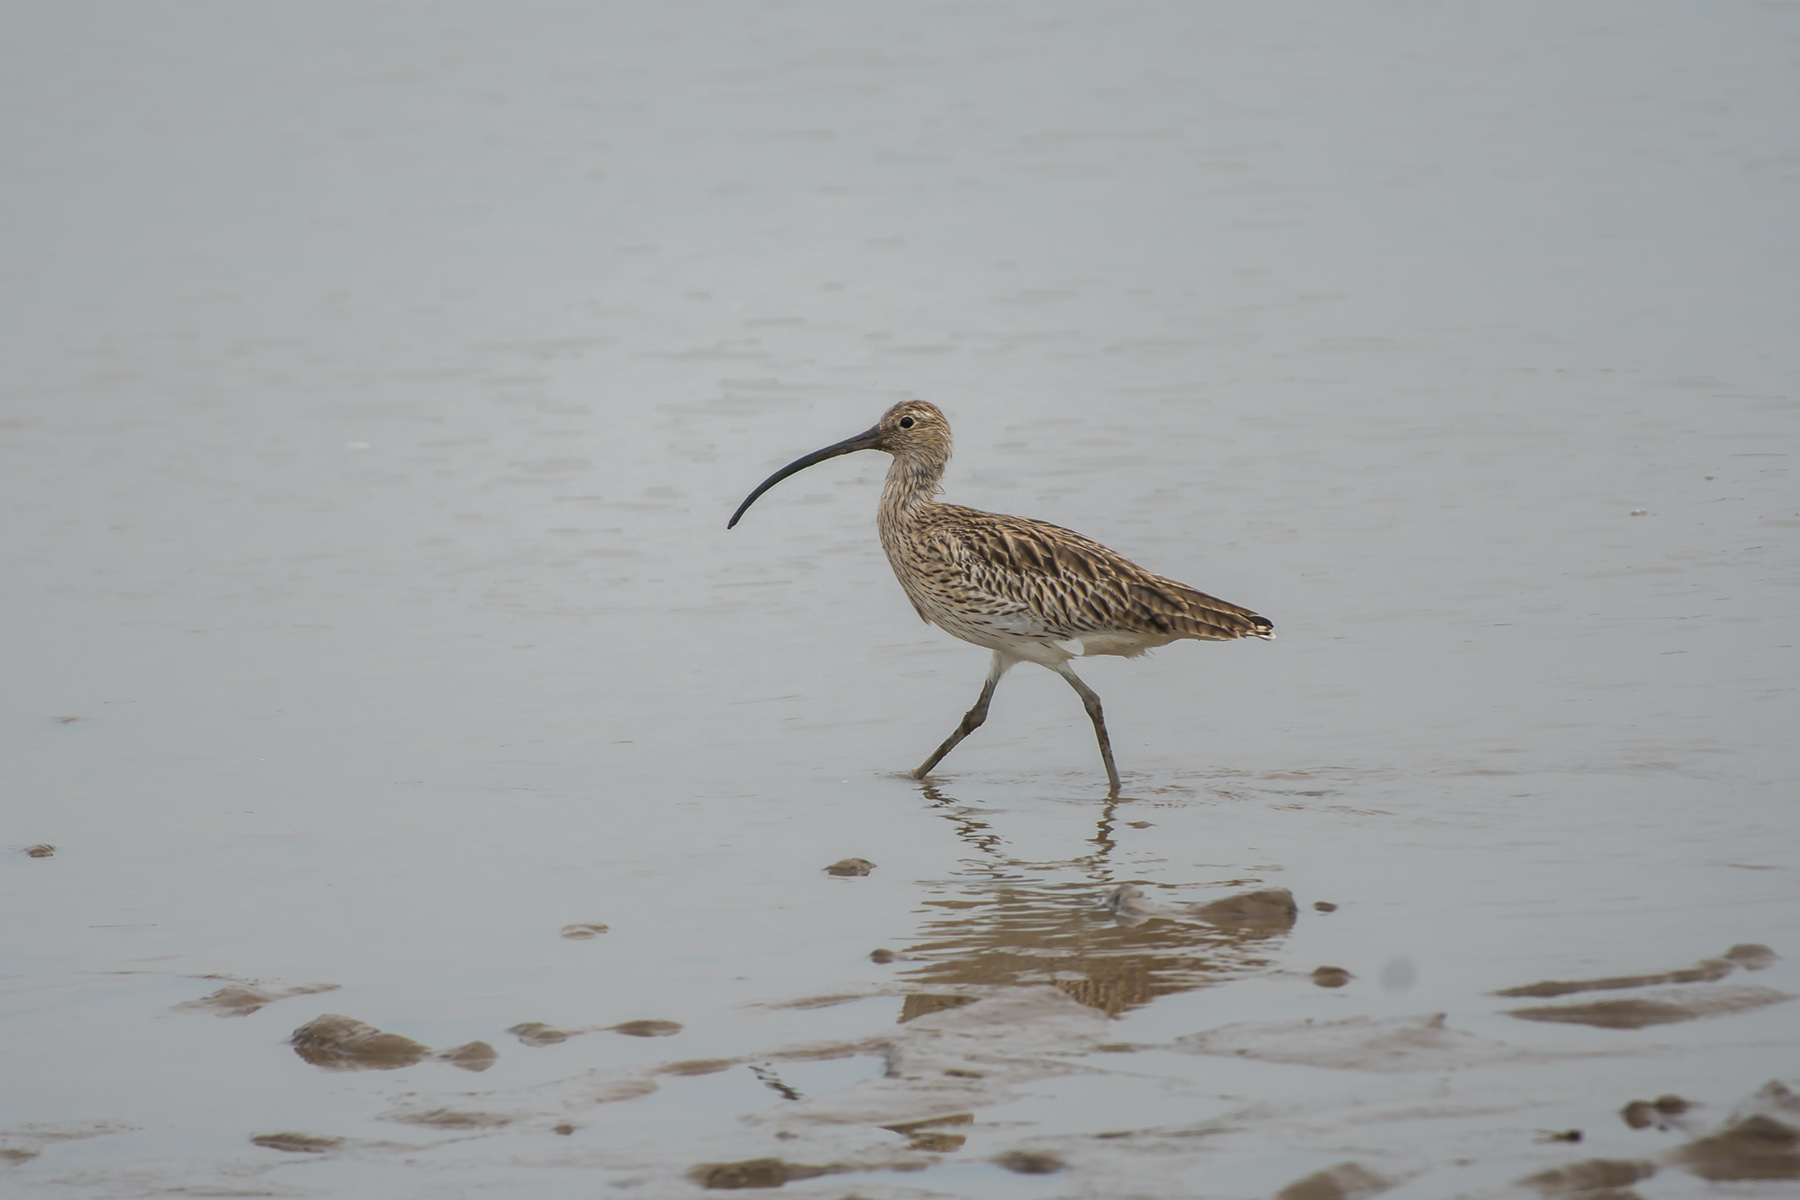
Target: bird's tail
<point>1194,614</point>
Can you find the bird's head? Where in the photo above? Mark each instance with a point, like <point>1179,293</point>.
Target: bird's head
<point>913,431</point>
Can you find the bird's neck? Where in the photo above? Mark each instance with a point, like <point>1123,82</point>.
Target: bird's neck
<point>911,485</point>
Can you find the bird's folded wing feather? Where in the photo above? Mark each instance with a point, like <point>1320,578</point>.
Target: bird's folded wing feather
<point>1072,584</point>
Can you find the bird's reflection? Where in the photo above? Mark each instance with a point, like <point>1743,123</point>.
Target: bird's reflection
<point>1001,921</point>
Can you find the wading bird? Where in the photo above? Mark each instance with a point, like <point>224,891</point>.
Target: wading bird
<point>1027,590</point>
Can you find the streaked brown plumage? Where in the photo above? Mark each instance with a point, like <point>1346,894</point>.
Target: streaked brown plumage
<point>1027,590</point>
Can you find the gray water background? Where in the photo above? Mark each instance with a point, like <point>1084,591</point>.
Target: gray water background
<point>379,379</point>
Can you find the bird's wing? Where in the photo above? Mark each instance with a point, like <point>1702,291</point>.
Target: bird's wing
<point>1073,585</point>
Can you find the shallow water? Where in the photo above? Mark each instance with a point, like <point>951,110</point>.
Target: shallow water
<point>380,378</point>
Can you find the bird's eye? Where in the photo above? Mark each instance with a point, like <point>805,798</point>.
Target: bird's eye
<point>906,422</point>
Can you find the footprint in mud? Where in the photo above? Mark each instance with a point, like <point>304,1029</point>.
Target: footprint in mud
<point>244,997</point>
<point>340,1043</point>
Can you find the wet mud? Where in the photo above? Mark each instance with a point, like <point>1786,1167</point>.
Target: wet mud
<point>1760,1141</point>
<point>297,1143</point>
<point>1657,1008</point>
<point>1748,956</point>
<point>1591,1179</point>
<point>1345,1181</point>
<point>242,998</point>
<point>340,1043</point>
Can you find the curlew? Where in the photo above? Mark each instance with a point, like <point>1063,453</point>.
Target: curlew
<point>1026,590</point>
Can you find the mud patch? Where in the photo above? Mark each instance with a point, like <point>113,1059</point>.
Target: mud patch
<point>1591,1179</point>
<point>449,1118</point>
<point>1752,956</point>
<point>1345,1181</point>
<point>1030,1162</point>
<point>582,930</point>
<point>296,1143</point>
<point>1270,910</point>
<point>918,1005</point>
<point>700,1066</point>
<point>340,1043</point>
<point>1662,1008</point>
<point>926,1135</point>
<point>1661,1112</point>
<point>1762,1141</point>
<point>647,1029</point>
<point>1331,977</point>
<point>757,1173</point>
<point>242,998</point>
<point>1708,970</point>
<point>850,867</point>
<point>536,1033</point>
<point>41,850</point>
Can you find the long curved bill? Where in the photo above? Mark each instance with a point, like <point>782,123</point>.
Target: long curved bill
<point>869,439</point>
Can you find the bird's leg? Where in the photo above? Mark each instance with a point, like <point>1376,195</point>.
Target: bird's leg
<point>973,718</point>
<point>1091,702</point>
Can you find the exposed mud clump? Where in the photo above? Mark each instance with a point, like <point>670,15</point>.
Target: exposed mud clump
<point>923,1135</point>
<point>756,1173</point>
<point>242,999</point>
<point>582,930</point>
<point>1707,970</point>
<point>296,1143</point>
<point>881,957</point>
<point>1331,977</point>
<point>1345,1181</point>
<point>700,1066</point>
<point>340,1043</point>
<point>1591,1179</point>
<point>1271,909</point>
<point>41,850</point>
<point>536,1033</point>
<point>474,1056</point>
<point>850,867</point>
<point>918,1004</point>
<point>1030,1162</point>
<point>647,1028</point>
<point>1324,906</point>
<point>1660,1112</point>
<point>1757,1147</point>
<point>1761,1142</point>
<point>17,1154</point>
<point>1662,1008</point>
<point>448,1118</point>
<point>1752,956</point>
